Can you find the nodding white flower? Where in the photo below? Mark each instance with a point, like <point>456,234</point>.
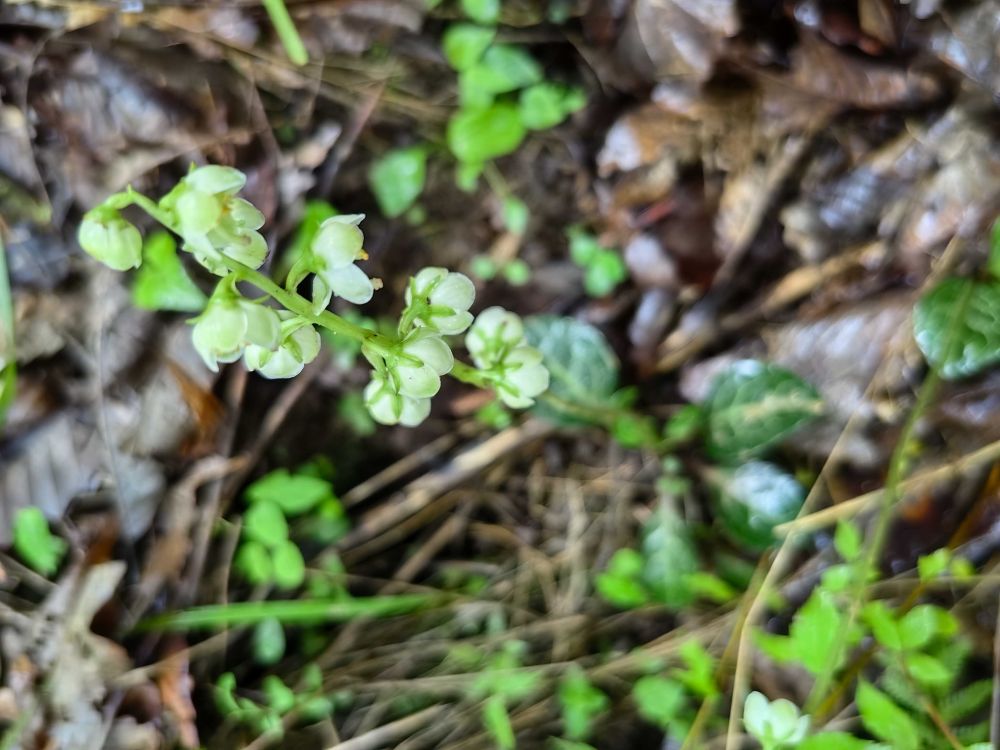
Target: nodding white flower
<point>111,239</point>
<point>774,723</point>
<point>495,333</point>
<point>388,406</point>
<point>299,346</point>
<point>440,299</point>
<point>229,324</point>
<point>435,359</point>
<point>523,377</point>
<point>216,179</point>
<point>336,246</point>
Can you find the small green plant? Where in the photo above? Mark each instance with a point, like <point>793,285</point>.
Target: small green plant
<point>502,683</point>
<point>581,702</point>
<point>35,544</point>
<point>220,230</point>
<point>306,704</point>
<point>603,267</point>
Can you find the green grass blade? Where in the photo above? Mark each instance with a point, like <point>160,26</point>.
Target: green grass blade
<point>287,33</point>
<point>290,612</point>
<point>8,366</point>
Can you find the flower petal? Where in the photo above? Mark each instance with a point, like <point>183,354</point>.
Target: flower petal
<point>350,283</point>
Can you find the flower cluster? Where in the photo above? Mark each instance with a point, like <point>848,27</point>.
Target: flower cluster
<point>220,230</point>
<point>213,221</point>
<point>498,347</point>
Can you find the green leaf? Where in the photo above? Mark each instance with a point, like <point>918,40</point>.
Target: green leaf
<point>922,623</point>
<point>684,424</point>
<point>928,670</point>
<point>289,567</point>
<point>753,406</point>
<point>294,494</point>
<point>699,675</point>
<point>709,586</point>
<point>994,260</point>
<point>268,642</point>
<point>756,497</point>
<point>161,282</point>
<point>883,718</point>
<point>544,105</point>
<point>582,366</point>
<point>253,561</point>
<point>514,66</point>
<point>581,704</point>
<point>280,697</point>
<point>621,591</point>
<point>497,723</point>
<point>883,624</point>
<point>517,272</point>
<point>397,179</point>
<point>515,214</point>
<point>833,741</point>
<point>813,637</point>
<point>264,522</point>
<point>583,246</point>
<point>483,11</point>
<point>35,544</point>
<point>465,43</point>
<point>847,540</point>
<point>669,557</point>
<point>660,700</point>
<point>467,175</point>
<point>476,136</point>
<point>957,327</point>
<point>605,271</point>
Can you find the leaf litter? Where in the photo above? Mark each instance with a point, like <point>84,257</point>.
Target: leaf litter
<point>782,177</point>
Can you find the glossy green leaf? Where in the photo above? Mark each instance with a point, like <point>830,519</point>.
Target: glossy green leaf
<point>294,494</point>
<point>957,327</point>
<point>754,405</point>
<point>264,522</point>
<point>515,214</point>
<point>605,271</point>
<point>833,741</point>
<point>35,544</point>
<point>582,367</point>
<point>482,11</point>
<point>581,704</point>
<point>754,498</point>
<point>545,105</point>
<point>397,179</point>
<point>253,561</point>
<point>268,642</point>
<point>476,136</point>
<point>883,718</point>
<point>465,43</point>
<point>161,282</point>
<point>289,567</point>
<point>669,557</point>
<point>660,700</point>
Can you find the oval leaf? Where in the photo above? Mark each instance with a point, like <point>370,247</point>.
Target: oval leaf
<point>754,405</point>
<point>957,327</point>
<point>397,179</point>
<point>582,367</point>
<point>476,136</point>
<point>755,498</point>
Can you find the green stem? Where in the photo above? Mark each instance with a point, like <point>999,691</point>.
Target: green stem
<point>292,301</point>
<point>8,360</point>
<point>284,26</point>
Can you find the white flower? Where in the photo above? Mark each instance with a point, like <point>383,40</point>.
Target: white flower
<point>109,238</point>
<point>387,406</point>
<point>229,324</point>
<point>336,246</point>
<point>299,346</point>
<point>495,333</point>
<point>215,179</point>
<point>423,380</point>
<point>440,299</point>
<point>776,724</point>
<point>523,377</point>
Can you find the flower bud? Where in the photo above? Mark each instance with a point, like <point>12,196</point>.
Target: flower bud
<point>387,406</point>
<point>495,333</point>
<point>524,377</point>
<point>109,238</point>
<point>229,324</point>
<point>299,346</point>
<point>215,179</point>
<point>338,243</point>
<point>197,212</point>
<point>423,380</point>
<point>439,299</point>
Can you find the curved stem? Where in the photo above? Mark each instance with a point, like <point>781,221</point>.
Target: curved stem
<point>292,301</point>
